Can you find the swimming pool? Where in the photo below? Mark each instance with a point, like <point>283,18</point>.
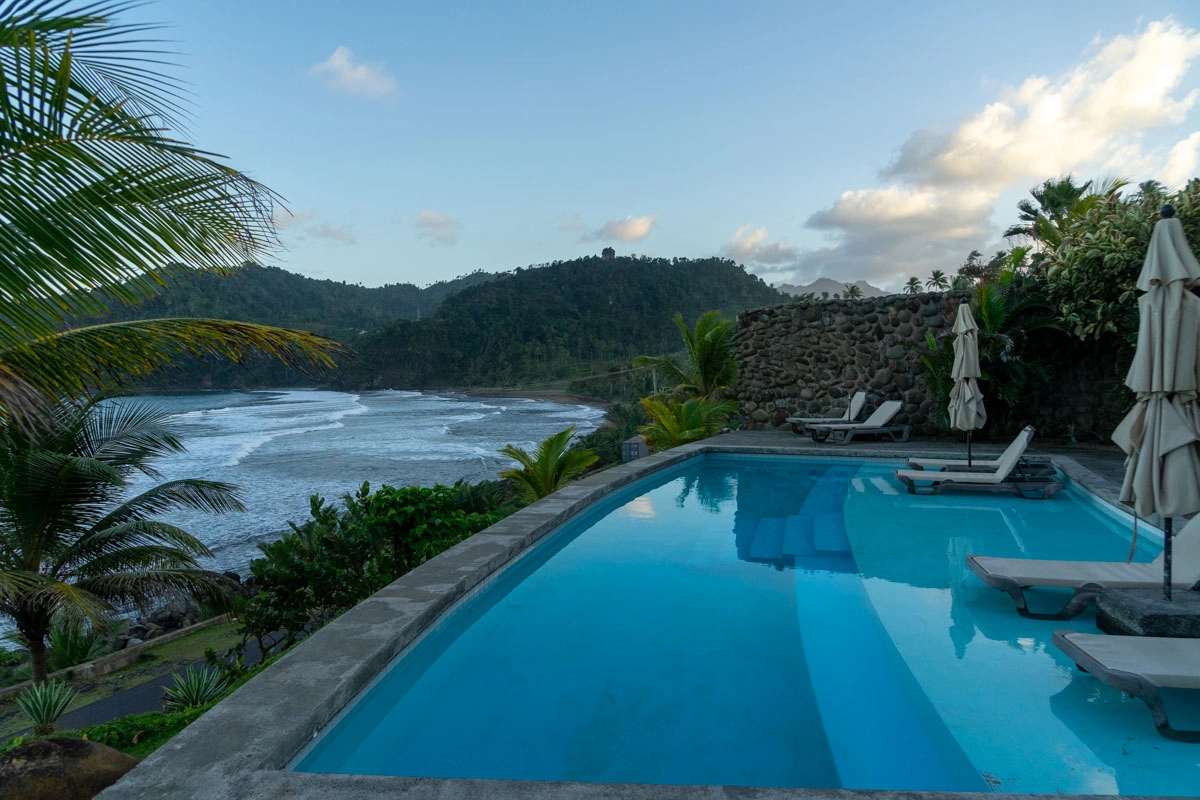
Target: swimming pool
<point>768,622</point>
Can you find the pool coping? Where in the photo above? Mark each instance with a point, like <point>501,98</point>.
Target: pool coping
<point>242,747</point>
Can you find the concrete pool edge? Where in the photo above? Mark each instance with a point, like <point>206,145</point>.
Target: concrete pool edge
<point>241,748</point>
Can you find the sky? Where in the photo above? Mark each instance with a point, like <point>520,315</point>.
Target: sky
<point>416,142</point>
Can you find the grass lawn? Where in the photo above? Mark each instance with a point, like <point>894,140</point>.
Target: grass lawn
<point>155,661</point>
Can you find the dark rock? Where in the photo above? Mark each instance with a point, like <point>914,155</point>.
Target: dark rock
<point>60,769</point>
<point>1144,612</point>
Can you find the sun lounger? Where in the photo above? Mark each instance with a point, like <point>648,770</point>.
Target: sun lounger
<point>1138,666</point>
<point>849,415</point>
<point>874,425</point>
<point>1087,578</point>
<point>1006,476</point>
<point>1019,445</point>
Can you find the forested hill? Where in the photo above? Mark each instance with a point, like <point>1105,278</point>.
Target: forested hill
<point>273,296</point>
<point>560,320</point>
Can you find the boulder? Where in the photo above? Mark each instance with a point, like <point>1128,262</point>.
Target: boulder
<point>60,769</point>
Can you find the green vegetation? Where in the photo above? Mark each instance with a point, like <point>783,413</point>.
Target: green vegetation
<point>72,540</point>
<point>676,422</point>
<point>550,467</point>
<point>44,703</point>
<point>621,421</point>
<point>156,660</point>
<point>711,367</point>
<point>272,296</point>
<point>339,558</point>
<point>194,688</point>
<point>554,324</point>
<point>102,202</point>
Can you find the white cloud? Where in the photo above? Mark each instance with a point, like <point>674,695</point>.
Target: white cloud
<point>438,228</point>
<point>307,224</point>
<point>749,244</point>
<point>341,71</point>
<point>1181,161</point>
<point>1090,120</point>
<point>630,229</point>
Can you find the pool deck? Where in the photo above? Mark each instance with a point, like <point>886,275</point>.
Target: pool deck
<point>242,748</point>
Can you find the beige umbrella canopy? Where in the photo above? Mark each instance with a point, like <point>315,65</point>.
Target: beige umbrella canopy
<point>966,401</point>
<point>1161,433</point>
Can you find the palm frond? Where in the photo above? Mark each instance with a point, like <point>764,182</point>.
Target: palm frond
<point>106,356</point>
<point>213,497</point>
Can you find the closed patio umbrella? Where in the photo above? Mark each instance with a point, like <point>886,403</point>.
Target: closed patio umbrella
<point>966,401</point>
<point>1161,433</point>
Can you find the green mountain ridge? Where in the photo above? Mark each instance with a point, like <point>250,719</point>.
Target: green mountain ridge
<point>544,325</point>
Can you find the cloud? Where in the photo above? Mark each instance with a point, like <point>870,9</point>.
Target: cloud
<point>749,244</point>
<point>306,224</point>
<point>438,228</point>
<point>1181,161</point>
<point>630,229</point>
<point>945,183</point>
<point>341,71</point>
<point>572,225</point>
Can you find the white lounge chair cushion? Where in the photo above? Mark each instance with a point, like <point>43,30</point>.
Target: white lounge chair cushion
<point>958,477</point>
<point>1167,663</point>
<point>1019,444</point>
<point>879,418</point>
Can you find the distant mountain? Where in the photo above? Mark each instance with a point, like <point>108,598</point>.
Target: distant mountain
<point>550,324</point>
<point>829,285</point>
<point>555,322</point>
<point>273,296</point>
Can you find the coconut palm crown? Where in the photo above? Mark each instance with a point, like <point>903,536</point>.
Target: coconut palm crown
<point>711,365</point>
<point>549,467</point>
<point>74,541</point>
<point>102,205</point>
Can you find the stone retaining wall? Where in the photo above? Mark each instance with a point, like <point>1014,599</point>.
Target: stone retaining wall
<point>804,359</point>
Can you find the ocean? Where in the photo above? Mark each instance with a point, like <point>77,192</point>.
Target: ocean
<point>281,447</point>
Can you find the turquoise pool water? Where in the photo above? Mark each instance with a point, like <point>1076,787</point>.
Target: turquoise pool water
<point>772,622</point>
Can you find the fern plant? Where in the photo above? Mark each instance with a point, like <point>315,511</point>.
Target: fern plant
<point>44,703</point>
<point>193,688</point>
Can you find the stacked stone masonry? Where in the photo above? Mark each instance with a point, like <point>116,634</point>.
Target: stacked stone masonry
<point>805,359</point>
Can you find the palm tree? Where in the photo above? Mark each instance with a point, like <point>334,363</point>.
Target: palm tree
<point>852,292</point>
<point>674,423</point>
<point>711,366</point>
<point>938,281</point>
<point>550,467</point>
<point>103,205</point>
<point>1056,203</point>
<point>913,286</point>
<point>75,543</point>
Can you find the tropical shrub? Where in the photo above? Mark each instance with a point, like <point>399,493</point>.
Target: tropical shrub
<point>44,703</point>
<point>338,558</point>
<point>1091,274</point>
<point>550,467</point>
<point>193,688</point>
<point>621,421</point>
<point>73,643</point>
<point>673,422</point>
<point>142,734</point>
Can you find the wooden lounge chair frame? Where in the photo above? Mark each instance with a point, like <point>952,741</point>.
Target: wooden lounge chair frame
<point>1132,683</point>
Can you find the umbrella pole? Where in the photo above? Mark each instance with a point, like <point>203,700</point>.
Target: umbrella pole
<point>968,449</point>
<point>1167,559</point>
